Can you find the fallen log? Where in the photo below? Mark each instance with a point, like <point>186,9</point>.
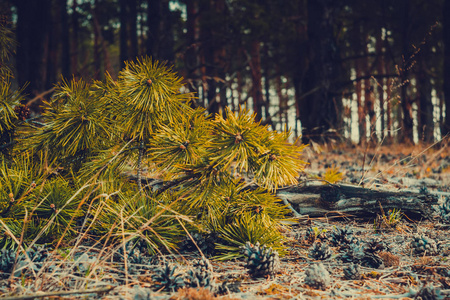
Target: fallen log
<point>319,200</point>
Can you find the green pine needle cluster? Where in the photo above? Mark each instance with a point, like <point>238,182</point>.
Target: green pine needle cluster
<point>92,159</point>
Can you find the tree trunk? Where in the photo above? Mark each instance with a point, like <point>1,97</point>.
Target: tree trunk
<point>380,83</point>
<point>96,25</point>
<point>33,30</point>
<point>255,68</point>
<point>74,47</point>
<point>123,33</point>
<point>445,129</point>
<point>407,121</point>
<point>153,23</point>
<point>425,116</point>
<point>65,42</point>
<point>132,27</point>
<point>321,109</point>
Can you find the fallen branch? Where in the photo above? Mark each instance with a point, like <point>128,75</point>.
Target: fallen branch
<point>320,200</point>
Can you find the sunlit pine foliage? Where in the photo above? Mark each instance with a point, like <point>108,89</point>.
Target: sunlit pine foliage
<point>75,123</point>
<point>183,143</point>
<point>58,204</point>
<point>149,97</point>
<point>247,228</point>
<point>280,163</point>
<point>237,140</point>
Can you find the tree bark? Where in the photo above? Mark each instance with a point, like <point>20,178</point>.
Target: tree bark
<point>321,109</point>
<point>446,88</point>
<point>132,27</point>
<point>255,67</point>
<point>123,32</point>
<point>328,200</point>
<point>425,115</point>
<point>153,23</point>
<point>74,46</point>
<point>65,41</point>
<point>33,28</point>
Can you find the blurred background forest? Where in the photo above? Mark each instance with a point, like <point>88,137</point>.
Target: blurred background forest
<point>349,70</point>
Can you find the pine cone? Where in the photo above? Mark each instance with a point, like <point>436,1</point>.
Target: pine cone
<point>166,279</point>
<point>371,261</point>
<point>445,210</point>
<point>375,246</point>
<point>423,245</point>
<point>353,254</point>
<point>201,275</point>
<point>317,277</point>
<point>320,251</point>
<point>429,293</point>
<point>227,287</point>
<point>206,243</point>
<point>352,272</point>
<point>313,233</point>
<point>343,237</point>
<point>260,260</point>
<point>7,259</point>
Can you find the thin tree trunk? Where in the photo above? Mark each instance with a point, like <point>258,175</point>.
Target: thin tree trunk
<point>425,116</point>
<point>255,67</point>
<point>407,122</point>
<point>380,82</point>
<point>132,19</point>
<point>65,42</point>
<point>361,114</point>
<point>153,23</point>
<point>97,60</point>
<point>389,110</point>
<point>75,30</point>
<point>123,33</point>
<point>445,128</point>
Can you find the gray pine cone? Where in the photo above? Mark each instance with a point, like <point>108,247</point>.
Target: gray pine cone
<point>352,272</point>
<point>317,277</point>
<point>342,237</point>
<point>7,259</point>
<point>206,243</point>
<point>445,210</point>
<point>165,279</point>
<point>423,245</point>
<point>320,251</point>
<point>260,260</point>
<point>201,275</point>
<point>375,245</point>
<point>429,293</point>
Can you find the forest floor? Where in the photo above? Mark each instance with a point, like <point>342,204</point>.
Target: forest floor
<point>400,271</point>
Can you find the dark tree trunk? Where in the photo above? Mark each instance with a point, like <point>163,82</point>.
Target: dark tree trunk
<point>446,88</point>
<point>167,40</point>
<point>380,82</point>
<point>153,22</point>
<point>255,67</point>
<point>407,122</point>
<point>33,26</point>
<point>123,33</point>
<point>75,31</point>
<point>320,110</point>
<point>96,25</point>
<point>132,19</point>
<point>65,42</point>
<point>424,88</point>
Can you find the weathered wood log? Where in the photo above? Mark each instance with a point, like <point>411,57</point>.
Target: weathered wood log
<point>341,199</point>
